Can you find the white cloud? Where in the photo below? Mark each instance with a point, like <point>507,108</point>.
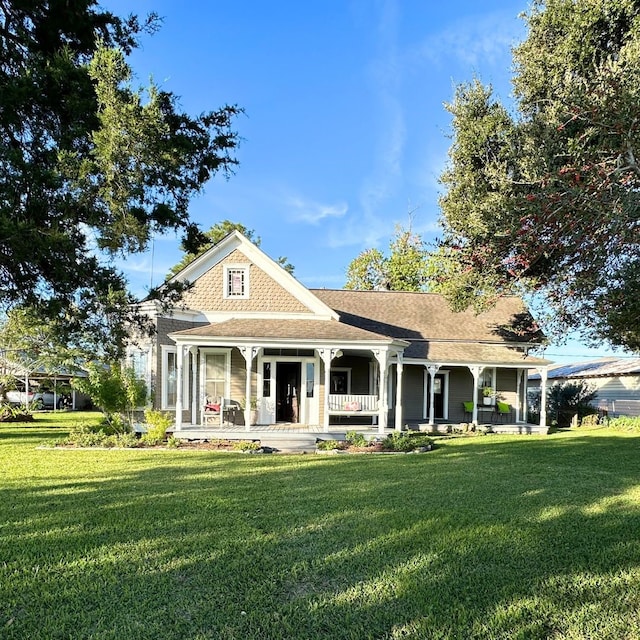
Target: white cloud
<point>486,40</point>
<point>311,212</point>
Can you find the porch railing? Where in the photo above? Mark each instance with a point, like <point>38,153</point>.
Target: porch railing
<point>349,403</point>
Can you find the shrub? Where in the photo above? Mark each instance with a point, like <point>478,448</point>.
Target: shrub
<point>83,435</point>
<point>356,439</point>
<point>328,445</point>
<point>625,423</point>
<point>157,424</point>
<point>245,445</point>
<point>405,441</point>
<point>590,420</point>
<point>173,442</point>
<point>116,391</point>
<point>9,413</point>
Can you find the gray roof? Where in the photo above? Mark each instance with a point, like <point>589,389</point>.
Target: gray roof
<point>412,315</point>
<point>499,336</point>
<point>603,367</point>
<point>438,334</point>
<point>312,330</point>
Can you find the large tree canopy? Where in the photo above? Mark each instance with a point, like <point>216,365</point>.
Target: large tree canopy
<point>90,167</point>
<point>547,200</point>
<point>404,269</point>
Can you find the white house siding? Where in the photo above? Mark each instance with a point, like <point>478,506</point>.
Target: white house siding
<point>616,388</point>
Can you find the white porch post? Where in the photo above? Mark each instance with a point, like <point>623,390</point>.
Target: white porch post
<point>179,358</point>
<point>327,356</point>
<point>525,395</point>
<point>476,370</point>
<point>399,367</point>
<point>519,373</point>
<point>194,385</point>
<point>432,369</point>
<point>382,356</point>
<point>543,398</point>
<point>249,353</point>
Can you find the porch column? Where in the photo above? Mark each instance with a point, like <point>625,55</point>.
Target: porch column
<point>399,368</point>
<point>525,396</point>
<point>382,356</point>
<point>179,363</point>
<point>249,352</point>
<point>543,398</point>
<point>194,385</point>
<point>476,370</point>
<point>432,369</point>
<point>327,355</point>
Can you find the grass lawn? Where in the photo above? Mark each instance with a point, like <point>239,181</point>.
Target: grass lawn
<point>488,537</point>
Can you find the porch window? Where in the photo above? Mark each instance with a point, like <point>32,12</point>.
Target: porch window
<point>169,391</point>
<point>169,378</point>
<point>139,361</point>
<point>266,380</point>
<point>488,381</point>
<point>236,281</point>
<point>215,377</point>
<point>340,381</point>
<point>310,379</point>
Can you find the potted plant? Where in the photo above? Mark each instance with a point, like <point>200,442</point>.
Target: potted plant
<point>254,409</point>
<point>487,395</point>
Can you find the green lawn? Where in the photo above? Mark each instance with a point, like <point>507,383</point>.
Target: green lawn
<point>488,537</point>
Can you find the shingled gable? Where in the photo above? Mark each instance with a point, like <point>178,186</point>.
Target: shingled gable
<point>277,287</point>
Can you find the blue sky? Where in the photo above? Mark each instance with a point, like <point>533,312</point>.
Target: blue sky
<point>345,131</point>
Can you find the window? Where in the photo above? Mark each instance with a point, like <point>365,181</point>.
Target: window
<point>169,378</point>
<point>236,281</point>
<point>215,378</point>
<point>266,380</point>
<point>138,360</point>
<point>169,391</point>
<point>310,379</point>
<point>340,381</point>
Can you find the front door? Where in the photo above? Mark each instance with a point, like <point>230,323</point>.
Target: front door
<point>288,376</point>
<point>438,396</point>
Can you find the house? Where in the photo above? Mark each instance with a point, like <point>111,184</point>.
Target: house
<point>330,359</point>
<point>615,380</point>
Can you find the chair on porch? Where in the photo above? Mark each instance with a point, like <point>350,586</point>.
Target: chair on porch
<point>468,410</point>
<point>502,410</point>
<point>220,410</point>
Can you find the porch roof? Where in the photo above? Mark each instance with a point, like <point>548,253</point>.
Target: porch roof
<point>288,330</point>
<point>471,353</point>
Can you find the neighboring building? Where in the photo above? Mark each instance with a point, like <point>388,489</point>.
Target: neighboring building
<point>248,329</point>
<point>616,381</point>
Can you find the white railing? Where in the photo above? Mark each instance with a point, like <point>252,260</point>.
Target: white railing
<point>350,403</point>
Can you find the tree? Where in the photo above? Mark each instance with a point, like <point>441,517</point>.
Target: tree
<point>567,399</point>
<point>547,200</point>
<point>116,391</point>
<point>216,233</point>
<point>402,270</point>
<point>90,167</point>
